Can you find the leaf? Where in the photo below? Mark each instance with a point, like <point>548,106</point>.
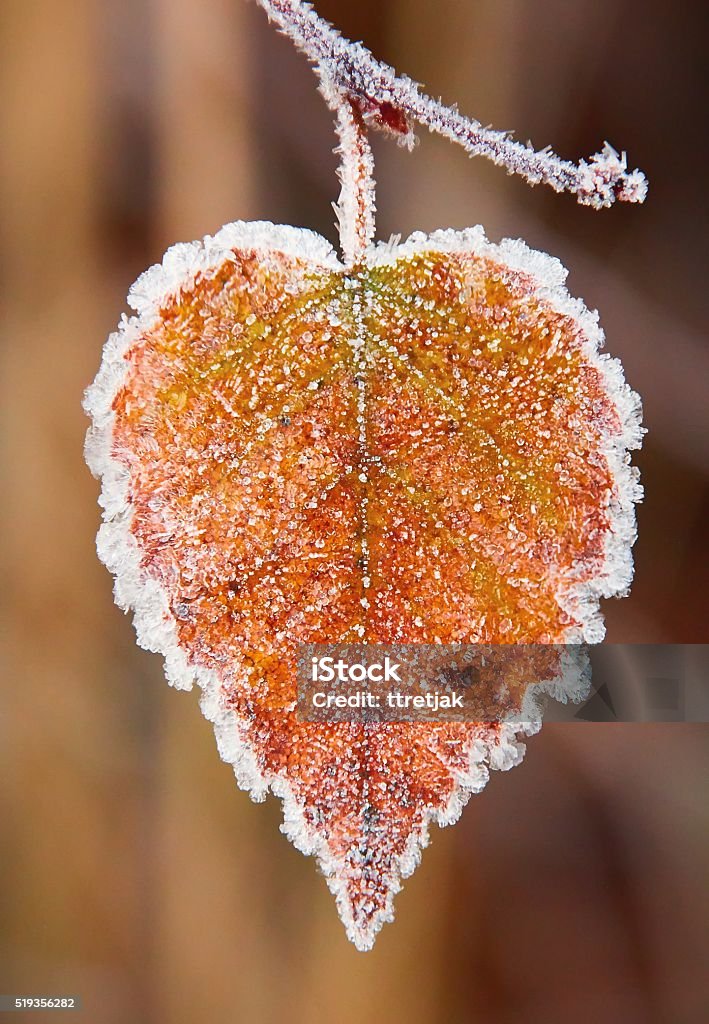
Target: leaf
<point>427,447</point>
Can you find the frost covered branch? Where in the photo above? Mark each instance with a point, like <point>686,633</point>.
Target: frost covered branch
<point>393,103</point>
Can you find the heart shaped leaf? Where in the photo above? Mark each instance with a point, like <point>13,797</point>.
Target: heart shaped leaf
<point>426,447</point>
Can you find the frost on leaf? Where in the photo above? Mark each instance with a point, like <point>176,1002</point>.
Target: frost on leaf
<point>424,447</point>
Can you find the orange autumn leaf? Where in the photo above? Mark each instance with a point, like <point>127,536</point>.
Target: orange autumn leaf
<point>425,447</point>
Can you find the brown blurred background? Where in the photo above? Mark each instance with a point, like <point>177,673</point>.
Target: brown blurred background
<point>132,871</point>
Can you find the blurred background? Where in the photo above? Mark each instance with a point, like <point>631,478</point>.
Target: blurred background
<point>132,871</point>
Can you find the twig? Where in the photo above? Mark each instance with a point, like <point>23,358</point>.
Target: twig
<point>382,99</point>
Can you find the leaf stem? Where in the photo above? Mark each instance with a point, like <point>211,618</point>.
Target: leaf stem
<point>356,206</point>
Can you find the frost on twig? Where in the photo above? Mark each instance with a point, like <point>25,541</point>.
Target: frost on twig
<point>393,103</point>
